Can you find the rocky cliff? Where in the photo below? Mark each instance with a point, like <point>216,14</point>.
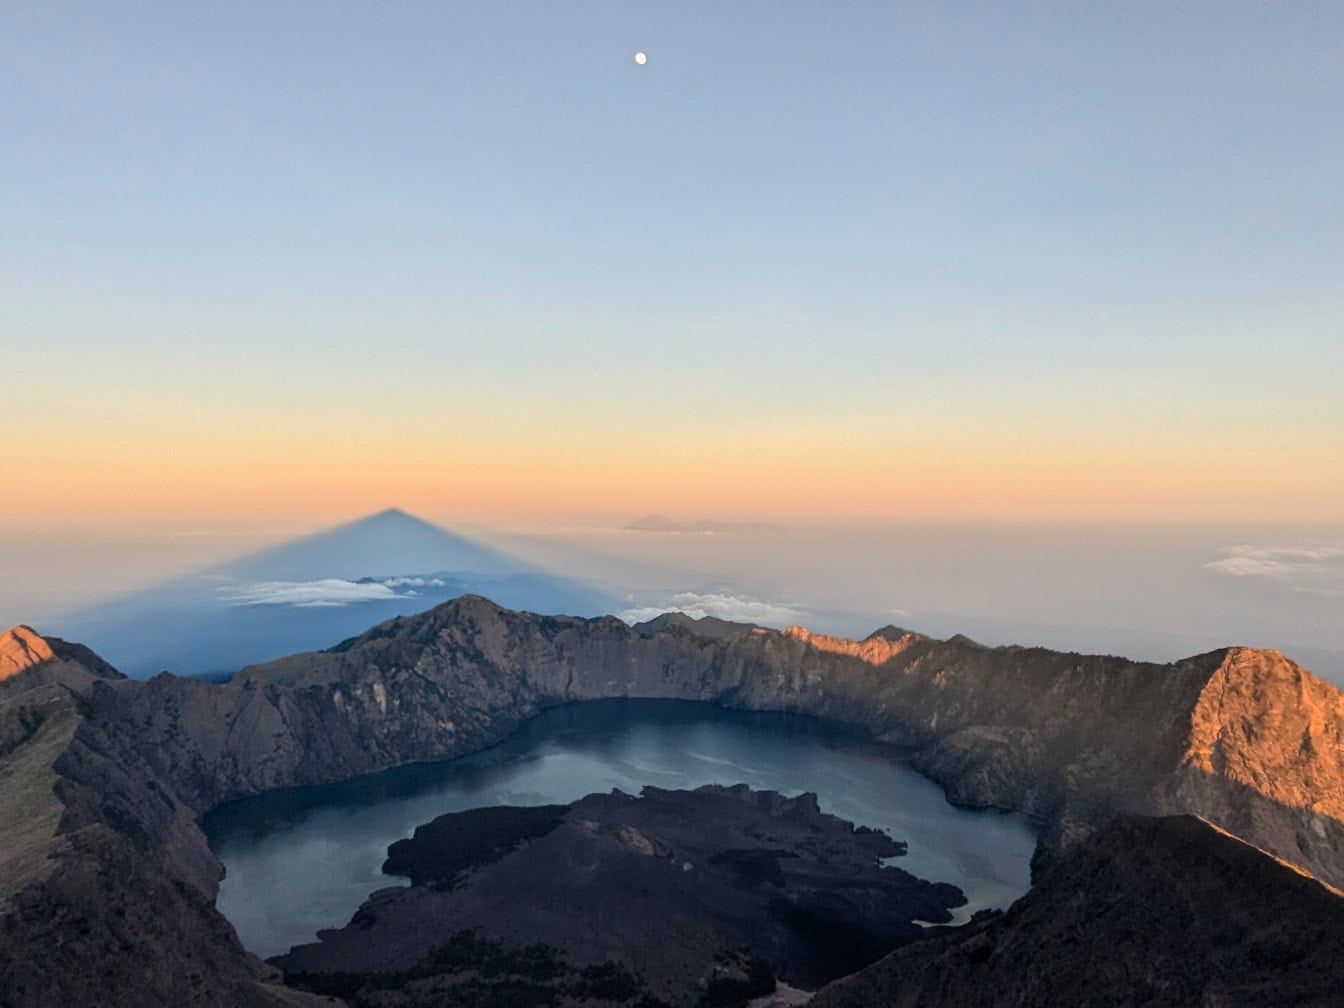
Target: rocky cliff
<point>29,660</point>
<point>1244,738</point>
<point>1167,913</point>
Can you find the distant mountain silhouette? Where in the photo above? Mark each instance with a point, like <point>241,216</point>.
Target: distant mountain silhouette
<point>311,593</point>
<point>705,626</point>
<point>661,523</point>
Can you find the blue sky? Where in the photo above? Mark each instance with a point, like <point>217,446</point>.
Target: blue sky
<point>964,231</point>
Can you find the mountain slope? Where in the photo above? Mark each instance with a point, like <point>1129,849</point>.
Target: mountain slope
<point>41,680</point>
<point>106,883</point>
<point>1167,913</point>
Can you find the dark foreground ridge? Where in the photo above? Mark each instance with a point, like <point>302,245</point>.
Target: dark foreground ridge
<point>1156,912</point>
<point>688,897</point>
<point>107,888</point>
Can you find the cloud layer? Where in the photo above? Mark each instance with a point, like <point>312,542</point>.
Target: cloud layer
<point>1317,568</point>
<point>737,608</point>
<point>327,592</point>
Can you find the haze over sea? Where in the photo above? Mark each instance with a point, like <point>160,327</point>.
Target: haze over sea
<point>1149,591</point>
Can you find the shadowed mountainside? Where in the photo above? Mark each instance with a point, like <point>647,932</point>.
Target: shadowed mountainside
<point>1168,913</point>
<point>1244,738</point>
<point>107,886</point>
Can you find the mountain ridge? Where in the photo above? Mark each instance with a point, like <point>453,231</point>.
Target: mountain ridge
<point>1075,740</point>
<point>1131,906</point>
<point>1069,738</point>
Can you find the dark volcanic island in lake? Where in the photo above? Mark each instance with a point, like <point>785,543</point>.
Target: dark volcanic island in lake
<point>672,898</point>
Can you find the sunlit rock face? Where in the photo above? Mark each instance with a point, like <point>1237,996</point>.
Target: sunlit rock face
<point>21,648</point>
<point>1168,912</point>
<point>28,659</point>
<point>1272,736</point>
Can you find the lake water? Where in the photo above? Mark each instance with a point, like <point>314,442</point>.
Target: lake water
<point>305,858</point>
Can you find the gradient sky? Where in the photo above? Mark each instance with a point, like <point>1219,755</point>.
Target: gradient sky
<point>884,260</point>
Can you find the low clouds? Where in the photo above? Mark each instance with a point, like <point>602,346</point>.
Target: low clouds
<point>1318,568</point>
<point>331,591</point>
<point>327,592</point>
<point>738,609</point>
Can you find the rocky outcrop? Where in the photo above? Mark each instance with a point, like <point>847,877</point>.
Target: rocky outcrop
<point>29,660</point>
<point>691,896</point>
<point>1264,759</point>
<point>21,648</point>
<point>1168,913</point>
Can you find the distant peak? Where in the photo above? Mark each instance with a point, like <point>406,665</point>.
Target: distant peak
<point>704,626</point>
<point>470,603</point>
<point>391,514</point>
<point>22,647</point>
<point>704,526</point>
<point>654,523</point>
<point>891,632</point>
<point>963,640</point>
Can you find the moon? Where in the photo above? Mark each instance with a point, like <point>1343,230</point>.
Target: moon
<point>640,58</point>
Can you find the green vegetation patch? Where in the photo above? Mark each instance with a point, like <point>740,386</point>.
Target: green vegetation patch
<point>35,729</point>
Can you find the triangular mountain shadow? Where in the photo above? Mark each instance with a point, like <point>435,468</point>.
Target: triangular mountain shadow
<point>311,593</point>
<point>390,542</point>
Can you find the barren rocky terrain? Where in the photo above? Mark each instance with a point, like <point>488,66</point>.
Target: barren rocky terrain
<point>1161,912</point>
<point>687,895</point>
<point>112,886</point>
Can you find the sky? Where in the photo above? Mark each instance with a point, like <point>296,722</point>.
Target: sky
<point>275,265</point>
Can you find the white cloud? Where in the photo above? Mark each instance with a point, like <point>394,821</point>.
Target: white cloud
<point>412,582</point>
<point>327,592</point>
<point>1318,568</point>
<point>1245,566</point>
<point>738,609</point>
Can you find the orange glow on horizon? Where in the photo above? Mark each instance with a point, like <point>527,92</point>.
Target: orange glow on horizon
<point>328,477</point>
